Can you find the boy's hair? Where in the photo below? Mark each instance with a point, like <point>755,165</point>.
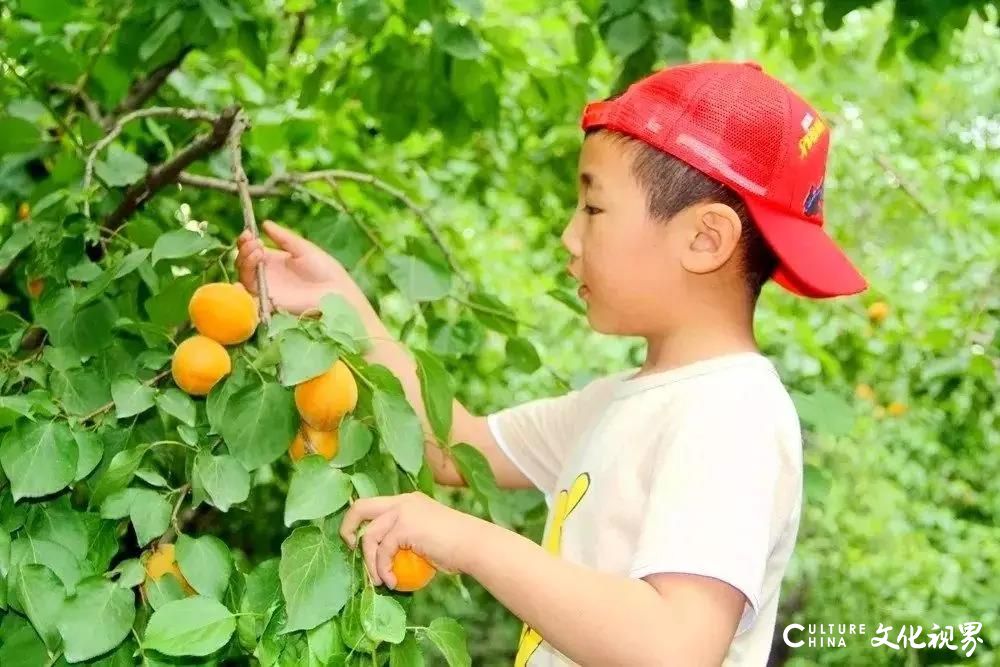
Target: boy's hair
<point>672,185</point>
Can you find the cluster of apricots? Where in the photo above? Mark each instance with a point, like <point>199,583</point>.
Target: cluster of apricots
<point>226,314</point>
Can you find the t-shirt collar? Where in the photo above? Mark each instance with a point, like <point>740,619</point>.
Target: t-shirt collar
<point>629,385</point>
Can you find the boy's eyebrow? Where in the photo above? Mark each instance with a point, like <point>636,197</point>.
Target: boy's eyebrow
<point>588,180</point>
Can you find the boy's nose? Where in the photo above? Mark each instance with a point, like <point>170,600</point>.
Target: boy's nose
<point>571,237</point>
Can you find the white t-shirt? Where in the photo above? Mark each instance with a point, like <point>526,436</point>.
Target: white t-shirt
<point>697,469</point>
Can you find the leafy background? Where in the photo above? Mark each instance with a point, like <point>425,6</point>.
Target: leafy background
<point>470,108</point>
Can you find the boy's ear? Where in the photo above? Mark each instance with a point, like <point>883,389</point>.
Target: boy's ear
<point>713,233</point>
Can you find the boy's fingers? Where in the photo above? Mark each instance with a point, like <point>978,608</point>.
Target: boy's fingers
<point>286,238</point>
<point>246,266</point>
<point>386,552</point>
<point>365,509</point>
<point>373,534</point>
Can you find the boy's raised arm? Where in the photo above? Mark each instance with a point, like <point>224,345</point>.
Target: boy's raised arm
<point>299,274</point>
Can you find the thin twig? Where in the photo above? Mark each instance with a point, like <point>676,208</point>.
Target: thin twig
<point>110,404</point>
<point>910,191</point>
<point>249,220</point>
<point>224,185</point>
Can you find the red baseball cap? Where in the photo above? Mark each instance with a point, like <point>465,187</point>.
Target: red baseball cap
<point>746,129</point>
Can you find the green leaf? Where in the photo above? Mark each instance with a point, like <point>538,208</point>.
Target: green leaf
<point>457,40</point>
<point>120,167</point>
<point>353,440</point>
<point>54,556</point>
<point>317,490</point>
<point>39,458</point>
<point>364,485</point>
<point>41,596</point>
<point>169,307</point>
<point>97,619</point>
<point>155,41</point>
<point>399,429</point>
<point>407,653</point>
<point>193,626</point>
<point>19,240</point>
<point>12,407</point>
<point>417,279</point>
<point>180,243</point>
<point>628,34</point>
<point>259,423</point>
<point>152,477</point>
<point>383,619</point>
<point>315,577</point>
<point>176,403</point>
<point>21,645</point>
<point>476,471</point>
<point>449,638</point>
<point>58,522</point>
<point>131,397</point>
<point>164,590</point>
<point>120,472</point>
<point>493,313</point>
<point>437,391</point>
<point>18,136</point>
<point>80,390</point>
<point>89,451</point>
<point>220,16</point>
<point>130,573</point>
<point>4,567</point>
<point>341,320</point>
<point>262,595</point>
<point>324,642</point>
<point>223,478</point>
<point>303,358</point>
<point>206,563</point>
<point>522,355</point>
<point>568,300</point>
<point>583,40</point>
<point>148,510</point>
<point>825,411</point>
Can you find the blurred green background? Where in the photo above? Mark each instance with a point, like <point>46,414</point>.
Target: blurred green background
<point>471,107</point>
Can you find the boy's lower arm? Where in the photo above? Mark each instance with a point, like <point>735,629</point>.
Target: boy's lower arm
<point>387,351</point>
<point>594,618</point>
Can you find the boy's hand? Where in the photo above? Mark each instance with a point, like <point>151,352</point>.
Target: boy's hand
<point>299,273</point>
<point>408,521</point>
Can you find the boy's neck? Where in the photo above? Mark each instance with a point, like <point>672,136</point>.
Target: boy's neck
<point>689,344</point>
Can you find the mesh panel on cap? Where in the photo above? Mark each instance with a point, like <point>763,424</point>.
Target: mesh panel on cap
<point>743,126</point>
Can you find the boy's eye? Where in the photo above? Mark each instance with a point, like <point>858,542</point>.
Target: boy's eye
<point>591,210</point>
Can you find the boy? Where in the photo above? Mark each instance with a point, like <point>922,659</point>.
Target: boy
<point>675,490</point>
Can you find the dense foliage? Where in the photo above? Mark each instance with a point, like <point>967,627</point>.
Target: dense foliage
<point>451,125</point>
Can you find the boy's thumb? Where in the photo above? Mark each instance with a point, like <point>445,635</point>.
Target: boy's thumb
<point>285,238</point>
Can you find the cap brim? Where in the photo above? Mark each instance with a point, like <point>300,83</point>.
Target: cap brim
<point>809,262</point>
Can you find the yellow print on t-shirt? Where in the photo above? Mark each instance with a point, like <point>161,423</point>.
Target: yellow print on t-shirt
<point>566,502</point>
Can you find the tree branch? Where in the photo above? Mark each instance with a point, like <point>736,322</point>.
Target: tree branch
<point>236,131</point>
<point>167,172</point>
<point>119,125</point>
<point>910,191</point>
<point>142,90</point>
<point>221,184</point>
<point>272,187</point>
<point>110,404</point>
<point>298,33</point>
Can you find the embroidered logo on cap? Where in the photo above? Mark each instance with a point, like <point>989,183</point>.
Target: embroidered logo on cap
<point>814,200</point>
